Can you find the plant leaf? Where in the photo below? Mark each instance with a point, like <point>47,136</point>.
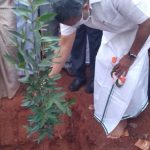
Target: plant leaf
<point>46,17</point>
<point>37,3</point>
<point>10,59</point>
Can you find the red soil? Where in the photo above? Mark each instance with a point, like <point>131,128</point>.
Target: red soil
<point>80,132</point>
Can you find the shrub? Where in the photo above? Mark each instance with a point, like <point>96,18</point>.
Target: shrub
<point>43,97</point>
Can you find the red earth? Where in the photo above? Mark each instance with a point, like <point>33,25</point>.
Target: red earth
<point>79,132</point>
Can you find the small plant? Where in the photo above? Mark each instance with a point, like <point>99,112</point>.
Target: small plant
<point>43,97</point>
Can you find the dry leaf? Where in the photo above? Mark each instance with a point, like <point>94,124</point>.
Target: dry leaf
<point>91,107</point>
<point>143,144</point>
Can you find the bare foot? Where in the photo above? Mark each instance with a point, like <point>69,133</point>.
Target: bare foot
<point>118,131</point>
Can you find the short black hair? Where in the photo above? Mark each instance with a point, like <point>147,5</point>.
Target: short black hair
<point>66,9</point>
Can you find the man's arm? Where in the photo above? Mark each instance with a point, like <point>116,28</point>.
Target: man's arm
<point>66,43</point>
<point>138,13</point>
<point>142,35</point>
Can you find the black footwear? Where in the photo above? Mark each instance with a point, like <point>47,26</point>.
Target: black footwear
<point>69,71</point>
<point>76,84</point>
<point>68,68</point>
<point>90,87</point>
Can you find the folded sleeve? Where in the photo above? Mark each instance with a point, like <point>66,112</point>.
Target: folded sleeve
<point>136,11</point>
<point>66,30</point>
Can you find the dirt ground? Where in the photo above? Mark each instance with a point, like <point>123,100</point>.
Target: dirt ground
<point>80,132</point>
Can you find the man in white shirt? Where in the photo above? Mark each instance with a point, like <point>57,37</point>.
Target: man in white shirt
<point>126,30</point>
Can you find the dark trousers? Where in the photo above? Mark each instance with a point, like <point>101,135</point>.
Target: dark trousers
<point>78,54</point>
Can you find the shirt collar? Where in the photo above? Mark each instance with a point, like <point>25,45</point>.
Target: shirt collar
<point>93,1</point>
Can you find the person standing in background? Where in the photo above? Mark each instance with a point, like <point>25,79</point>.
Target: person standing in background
<point>8,74</point>
<point>78,57</point>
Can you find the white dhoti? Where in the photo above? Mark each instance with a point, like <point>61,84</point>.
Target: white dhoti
<point>128,100</point>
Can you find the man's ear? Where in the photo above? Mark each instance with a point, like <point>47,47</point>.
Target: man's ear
<point>85,9</point>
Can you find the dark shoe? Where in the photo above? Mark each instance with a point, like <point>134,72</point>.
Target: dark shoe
<point>70,71</point>
<point>76,84</point>
<point>90,87</point>
<point>68,68</point>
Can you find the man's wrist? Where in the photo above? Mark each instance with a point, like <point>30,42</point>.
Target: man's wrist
<point>132,56</point>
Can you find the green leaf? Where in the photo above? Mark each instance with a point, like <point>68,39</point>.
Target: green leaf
<point>41,137</point>
<point>56,77</point>
<point>51,57</point>
<point>55,48</point>
<point>10,59</point>
<point>21,63</point>
<point>16,34</point>
<point>49,104</point>
<point>24,2</point>
<point>68,111</point>
<point>46,17</point>
<point>26,104</point>
<point>49,39</point>
<point>37,38</point>
<point>71,102</point>
<point>21,36</point>
<point>31,58</point>
<point>53,119</point>
<point>37,3</point>
<point>60,106</point>
<point>24,79</point>
<point>35,118</point>
<point>45,63</point>
<point>23,12</point>
<point>34,129</point>
<point>39,26</point>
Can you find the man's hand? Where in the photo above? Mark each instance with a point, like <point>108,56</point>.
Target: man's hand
<point>123,65</point>
<point>66,43</point>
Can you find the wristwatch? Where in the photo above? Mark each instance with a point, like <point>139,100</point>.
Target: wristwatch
<point>132,56</point>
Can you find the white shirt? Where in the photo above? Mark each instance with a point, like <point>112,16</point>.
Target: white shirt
<point>114,16</point>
